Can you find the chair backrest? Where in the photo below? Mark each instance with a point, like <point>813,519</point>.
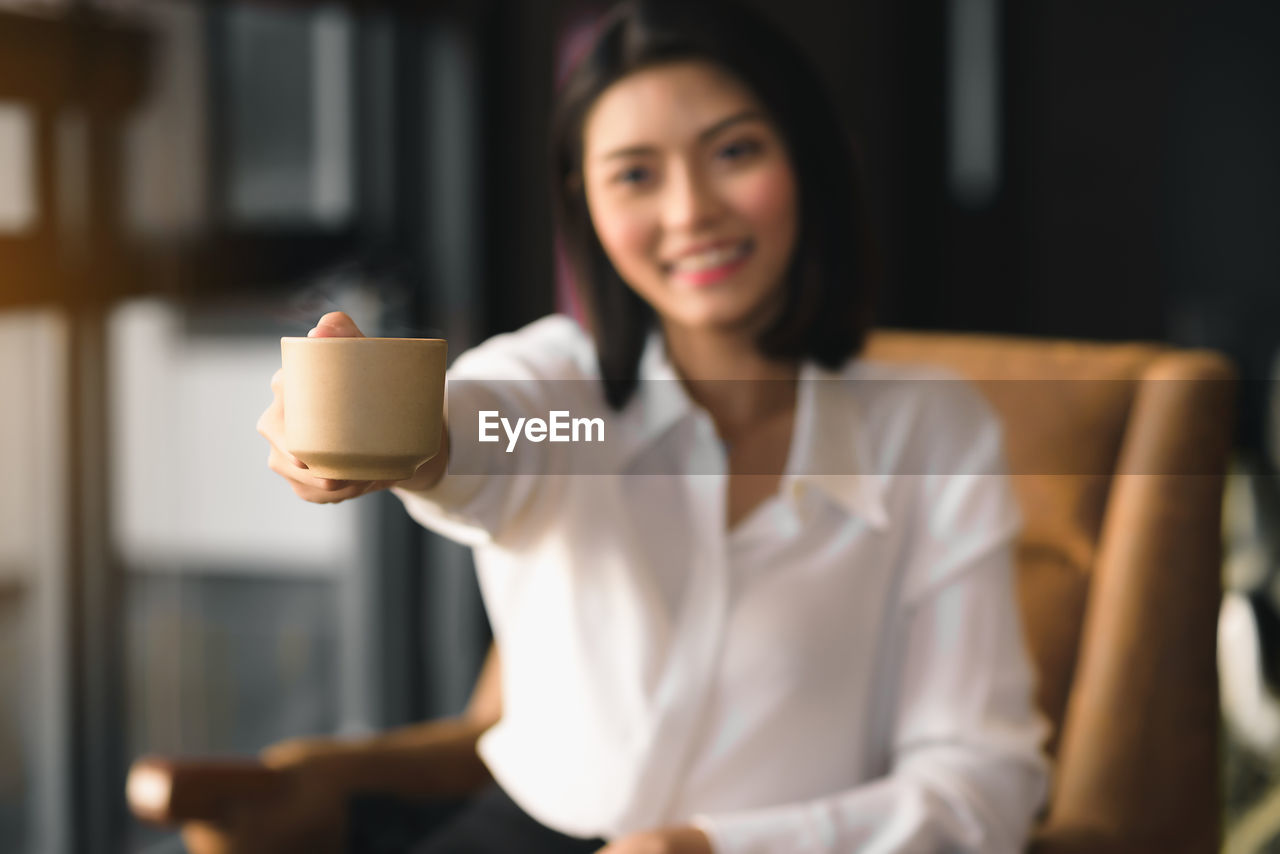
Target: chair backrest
<point>1118,453</point>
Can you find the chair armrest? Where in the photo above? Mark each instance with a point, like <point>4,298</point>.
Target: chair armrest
<point>167,791</point>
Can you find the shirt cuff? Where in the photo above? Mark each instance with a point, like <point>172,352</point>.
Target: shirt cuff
<point>440,508</point>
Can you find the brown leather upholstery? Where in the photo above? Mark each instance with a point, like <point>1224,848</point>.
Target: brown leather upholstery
<point>1118,454</point>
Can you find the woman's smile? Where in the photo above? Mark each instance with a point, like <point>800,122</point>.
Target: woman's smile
<point>702,267</point>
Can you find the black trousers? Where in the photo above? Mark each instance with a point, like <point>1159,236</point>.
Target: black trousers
<point>489,823</point>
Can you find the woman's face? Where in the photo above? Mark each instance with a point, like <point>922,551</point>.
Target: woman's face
<point>692,195</point>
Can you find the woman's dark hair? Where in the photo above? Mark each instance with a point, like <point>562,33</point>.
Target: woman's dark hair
<point>828,303</point>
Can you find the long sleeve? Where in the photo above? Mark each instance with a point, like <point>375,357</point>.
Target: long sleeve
<point>965,769</point>
<point>483,489</point>
<point>486,489</point>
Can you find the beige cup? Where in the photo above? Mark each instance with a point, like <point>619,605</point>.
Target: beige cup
<point>363,408</point>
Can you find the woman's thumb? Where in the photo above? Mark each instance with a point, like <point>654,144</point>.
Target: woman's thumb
<point>336,324</point>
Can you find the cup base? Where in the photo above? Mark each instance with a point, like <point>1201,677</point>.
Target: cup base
<point>346,467</point>
<point>361,473</point>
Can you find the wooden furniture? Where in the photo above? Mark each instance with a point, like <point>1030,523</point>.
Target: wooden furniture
<point>168,791</point>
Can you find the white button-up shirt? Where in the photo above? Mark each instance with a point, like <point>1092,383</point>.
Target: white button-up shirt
<point>842,671</point>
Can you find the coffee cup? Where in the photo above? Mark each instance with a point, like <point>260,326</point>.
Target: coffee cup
<point>363,408</point>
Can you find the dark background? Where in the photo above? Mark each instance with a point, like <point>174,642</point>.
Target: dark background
<point>1139,190</point>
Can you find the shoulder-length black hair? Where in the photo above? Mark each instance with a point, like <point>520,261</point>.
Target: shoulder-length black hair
<point>827,309</point>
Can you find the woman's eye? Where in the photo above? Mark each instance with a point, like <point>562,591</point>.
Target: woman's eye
<point>738,150</point>
<point>634,175</point>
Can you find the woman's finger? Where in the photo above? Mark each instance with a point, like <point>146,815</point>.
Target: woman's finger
<point>269,429</point>
<point>317,490</point>
<point>286,465</point>
<point>336,324</point>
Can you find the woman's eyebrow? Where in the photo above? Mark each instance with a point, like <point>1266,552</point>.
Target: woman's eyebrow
<point>744,116</point>
<point>703,136</point>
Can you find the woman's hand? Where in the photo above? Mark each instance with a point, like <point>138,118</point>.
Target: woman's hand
<point>319,490</point>
<point>666,840</point>
<point>308,814</point>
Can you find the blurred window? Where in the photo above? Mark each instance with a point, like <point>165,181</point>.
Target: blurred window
<point>240,620</point>
<point>288,101</point>
<point>33,553</point>
<point>973,101</point>
<point>18,205</point>
<point>171,594</point>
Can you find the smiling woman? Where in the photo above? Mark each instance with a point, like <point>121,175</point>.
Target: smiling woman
<point>777,614</point>
<point>697,128</point>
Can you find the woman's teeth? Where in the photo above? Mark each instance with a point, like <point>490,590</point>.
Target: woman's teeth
<point>711,259</point>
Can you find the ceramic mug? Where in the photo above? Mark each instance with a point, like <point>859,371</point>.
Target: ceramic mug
<point>363,408</point>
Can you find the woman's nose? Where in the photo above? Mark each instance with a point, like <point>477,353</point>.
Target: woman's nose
<point>690,202</point>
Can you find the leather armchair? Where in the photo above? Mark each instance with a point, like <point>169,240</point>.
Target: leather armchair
<point>1118,453</point>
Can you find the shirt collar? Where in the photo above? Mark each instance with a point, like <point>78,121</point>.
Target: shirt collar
<point>829,449</point>
<point>659,402</point>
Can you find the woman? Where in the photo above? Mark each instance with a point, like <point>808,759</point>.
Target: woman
<point>773,611</point>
